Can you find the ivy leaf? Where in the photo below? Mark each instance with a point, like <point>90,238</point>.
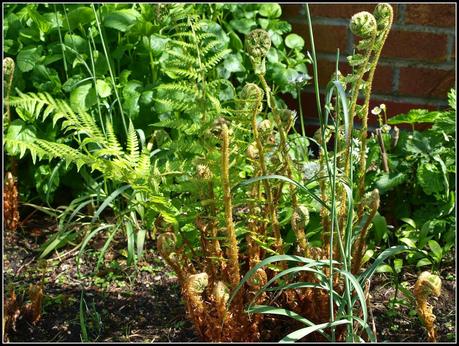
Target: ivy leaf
<point>28,57</point>
<point>294,41</point>
<point>121,20</point>
<point>233,63</point>
<point>243,25</point>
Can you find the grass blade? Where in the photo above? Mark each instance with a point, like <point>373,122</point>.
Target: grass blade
<point>264,309</point>
<point>301,333</point>
<point>109,200</point>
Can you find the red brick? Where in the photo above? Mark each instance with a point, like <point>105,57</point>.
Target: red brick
<point>422,46</point>
<point>382,82</point>
<point>431,14</point>
<point>398,106</point>
<point>423,82</point>
<point>327,38</point>
<point>345,11</point>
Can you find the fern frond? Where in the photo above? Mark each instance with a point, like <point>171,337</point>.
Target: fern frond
<point>180,87</point>
<point>210,46</point>
<point>206,35</point>
<point>173,104</point>
<point>21,146</point>
<point>113,144</point>
<point>189,59</point>
<point>212,61</point>
<point>192,73</point>
<point>143,167</point>
<point>182,44</point>
<point>132,145</point>
<point>65,152</point>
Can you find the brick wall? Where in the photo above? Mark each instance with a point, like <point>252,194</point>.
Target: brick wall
<point>417,64</point>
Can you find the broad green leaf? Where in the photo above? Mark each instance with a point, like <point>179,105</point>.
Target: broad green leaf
<point>380,227</point>
<point>423,262</point>
<point>409,221</point>
<point>408,242</point>
<point>103,88</point>
<point>78,43</point>
<point>271,10</point>
<point>121,20</point>
<point>244,25</point>
<point>79,16</point>
<point>367,256</point>
<point>398,264</point>
<point>141,233</point>
<point>430,177</point>
<point>294,41</point>
<point>28,57</point>
<point>131,96</point>
<point>384,268</point>
<point>388,181</point>
<point>414,116</point>
<point>233,63</point>
<point>436,249</point>
<point>83,97</point>
<point>235,42</point>
<point>18,131</point>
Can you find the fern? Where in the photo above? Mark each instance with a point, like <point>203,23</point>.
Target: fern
<point>108,155</point>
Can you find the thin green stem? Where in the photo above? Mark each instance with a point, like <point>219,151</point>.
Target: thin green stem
<point>110,68</point>
<point>62,43</point>
<point>314,62</point>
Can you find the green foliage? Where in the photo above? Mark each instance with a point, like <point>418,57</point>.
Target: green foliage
<point>422,170</point>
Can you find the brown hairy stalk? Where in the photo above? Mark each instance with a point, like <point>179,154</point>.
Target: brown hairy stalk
<point>10,203</point>
<point>427,285</point>
<point>373,204</point>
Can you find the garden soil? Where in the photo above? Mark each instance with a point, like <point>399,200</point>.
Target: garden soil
<point>145,305</point>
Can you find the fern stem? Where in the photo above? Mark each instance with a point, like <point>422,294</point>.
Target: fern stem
<point>231,233</point>
<point>364,134</point>
<point>269,196</point>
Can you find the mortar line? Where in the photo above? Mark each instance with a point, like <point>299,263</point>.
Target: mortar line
<point>401,14</point>
<point>395,80</point>
<point>397,62</point>
<point>397,99</point>
<point>395,26</point>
